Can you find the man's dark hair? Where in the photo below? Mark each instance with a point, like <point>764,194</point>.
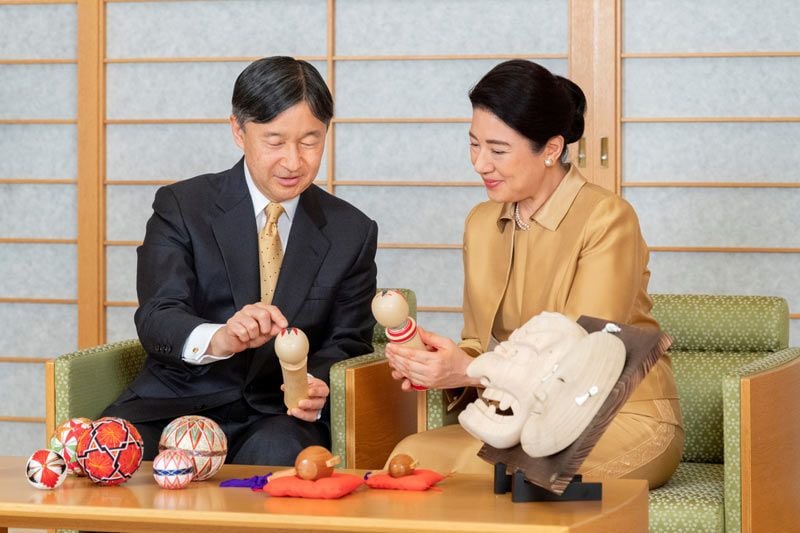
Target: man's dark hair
<point>271,85</point>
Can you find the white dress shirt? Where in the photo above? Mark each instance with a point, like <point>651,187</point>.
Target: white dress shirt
<point>194,349</point>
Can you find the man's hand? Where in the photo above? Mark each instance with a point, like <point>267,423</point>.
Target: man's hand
<point>252,326</point>
<point>310,408</point>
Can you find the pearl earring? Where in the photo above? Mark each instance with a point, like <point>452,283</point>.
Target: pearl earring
<point>548,162</point>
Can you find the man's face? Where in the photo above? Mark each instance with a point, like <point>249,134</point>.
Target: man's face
<point>284,154</point>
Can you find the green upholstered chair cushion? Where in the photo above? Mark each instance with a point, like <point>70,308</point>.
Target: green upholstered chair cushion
<point>87,381</point>
<point>699,378</point>
<point>692,500</point>
<point>723,323</point>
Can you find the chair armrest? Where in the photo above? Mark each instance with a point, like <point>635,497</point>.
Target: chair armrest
<point>762,442</point>
<point>84,383</point>
<point>370,414</point>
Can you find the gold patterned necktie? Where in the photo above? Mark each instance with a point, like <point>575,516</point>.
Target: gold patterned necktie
<point>270,252</point>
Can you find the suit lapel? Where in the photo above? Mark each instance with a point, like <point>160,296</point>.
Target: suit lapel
<point>237,237</point>
<point>304,255</point>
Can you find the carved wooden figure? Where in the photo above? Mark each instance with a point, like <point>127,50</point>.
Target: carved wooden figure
<point>401,465</point>
<point>312,463</point>
<point>291,347</point>
<point>390,309</point>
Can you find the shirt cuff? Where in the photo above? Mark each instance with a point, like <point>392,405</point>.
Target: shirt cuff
<point>194,349</point>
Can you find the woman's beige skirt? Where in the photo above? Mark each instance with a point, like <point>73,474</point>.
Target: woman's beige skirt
<point>636,445</point>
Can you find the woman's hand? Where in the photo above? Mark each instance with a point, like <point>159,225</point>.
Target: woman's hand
<point>442,366</point>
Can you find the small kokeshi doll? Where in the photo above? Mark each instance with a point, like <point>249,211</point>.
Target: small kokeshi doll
<point>291,347</point>
<point>390,309</point>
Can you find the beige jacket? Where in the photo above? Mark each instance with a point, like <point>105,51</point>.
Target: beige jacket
<point>586,257</point>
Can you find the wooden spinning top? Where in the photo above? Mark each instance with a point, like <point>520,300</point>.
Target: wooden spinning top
<point>401,465</point>
<point>315,462</point>
<point>390,309</point>
<point>312,463</point>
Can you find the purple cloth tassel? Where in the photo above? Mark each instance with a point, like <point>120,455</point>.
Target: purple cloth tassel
<point>255,482</point>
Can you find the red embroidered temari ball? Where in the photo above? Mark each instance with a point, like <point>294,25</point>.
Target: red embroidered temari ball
<point>65,441</point>
<point>111,451</point>
<point>46,469</point>
<point>202,440</point>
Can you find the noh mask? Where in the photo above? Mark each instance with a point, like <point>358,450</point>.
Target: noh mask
<point>544,385</point>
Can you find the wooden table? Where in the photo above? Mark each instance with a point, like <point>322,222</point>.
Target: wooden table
<point>465,503</point>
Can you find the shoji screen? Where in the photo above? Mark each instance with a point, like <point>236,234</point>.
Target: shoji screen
<point>710,122</point>
<point>400,73</point>
<point>38,209</point>
<point>103,101</point>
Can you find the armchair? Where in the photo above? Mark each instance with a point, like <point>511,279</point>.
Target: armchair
<point>739,386</point>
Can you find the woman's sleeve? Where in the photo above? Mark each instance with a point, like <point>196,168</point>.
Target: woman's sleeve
<point>611,264</point>
<point>459,397</point>
<point>470,341</point>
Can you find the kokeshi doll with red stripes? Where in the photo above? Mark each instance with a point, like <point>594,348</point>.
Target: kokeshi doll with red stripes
<point>291,347</point>
<point>390,309</point>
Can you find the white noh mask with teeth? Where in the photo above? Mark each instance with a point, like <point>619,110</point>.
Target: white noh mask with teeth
<point>543,385</point>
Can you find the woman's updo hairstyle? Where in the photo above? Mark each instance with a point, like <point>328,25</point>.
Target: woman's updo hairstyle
<point>533,101</point>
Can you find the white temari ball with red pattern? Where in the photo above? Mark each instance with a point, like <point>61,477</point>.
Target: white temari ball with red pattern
<point>202,440</point>
<point>173,469</point>
<point>65,441</point>
<point>46,469</point>
<point>111,451</point>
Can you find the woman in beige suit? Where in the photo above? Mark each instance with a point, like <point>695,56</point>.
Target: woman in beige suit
<point>547,240</point>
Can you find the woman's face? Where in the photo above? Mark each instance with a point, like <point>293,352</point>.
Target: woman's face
<point>504,158</point>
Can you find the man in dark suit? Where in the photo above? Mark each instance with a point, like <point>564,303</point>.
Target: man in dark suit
<point>209,306</point>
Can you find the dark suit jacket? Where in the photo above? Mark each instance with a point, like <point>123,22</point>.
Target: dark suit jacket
<point>199,263</point>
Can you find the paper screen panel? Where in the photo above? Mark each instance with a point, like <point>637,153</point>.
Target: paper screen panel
<point>388,27</point>
<point>60,321</point>
<point>38,31</point>
<point>38,270</point>
<point>38,210</point>
<point>718,217</point>
<point>253,28</point>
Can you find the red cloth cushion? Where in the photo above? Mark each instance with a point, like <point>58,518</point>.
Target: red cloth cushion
<point>420,480</point>
<point>335,486</point>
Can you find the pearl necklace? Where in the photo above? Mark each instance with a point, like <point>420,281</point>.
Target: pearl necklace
<point>518,219</point>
